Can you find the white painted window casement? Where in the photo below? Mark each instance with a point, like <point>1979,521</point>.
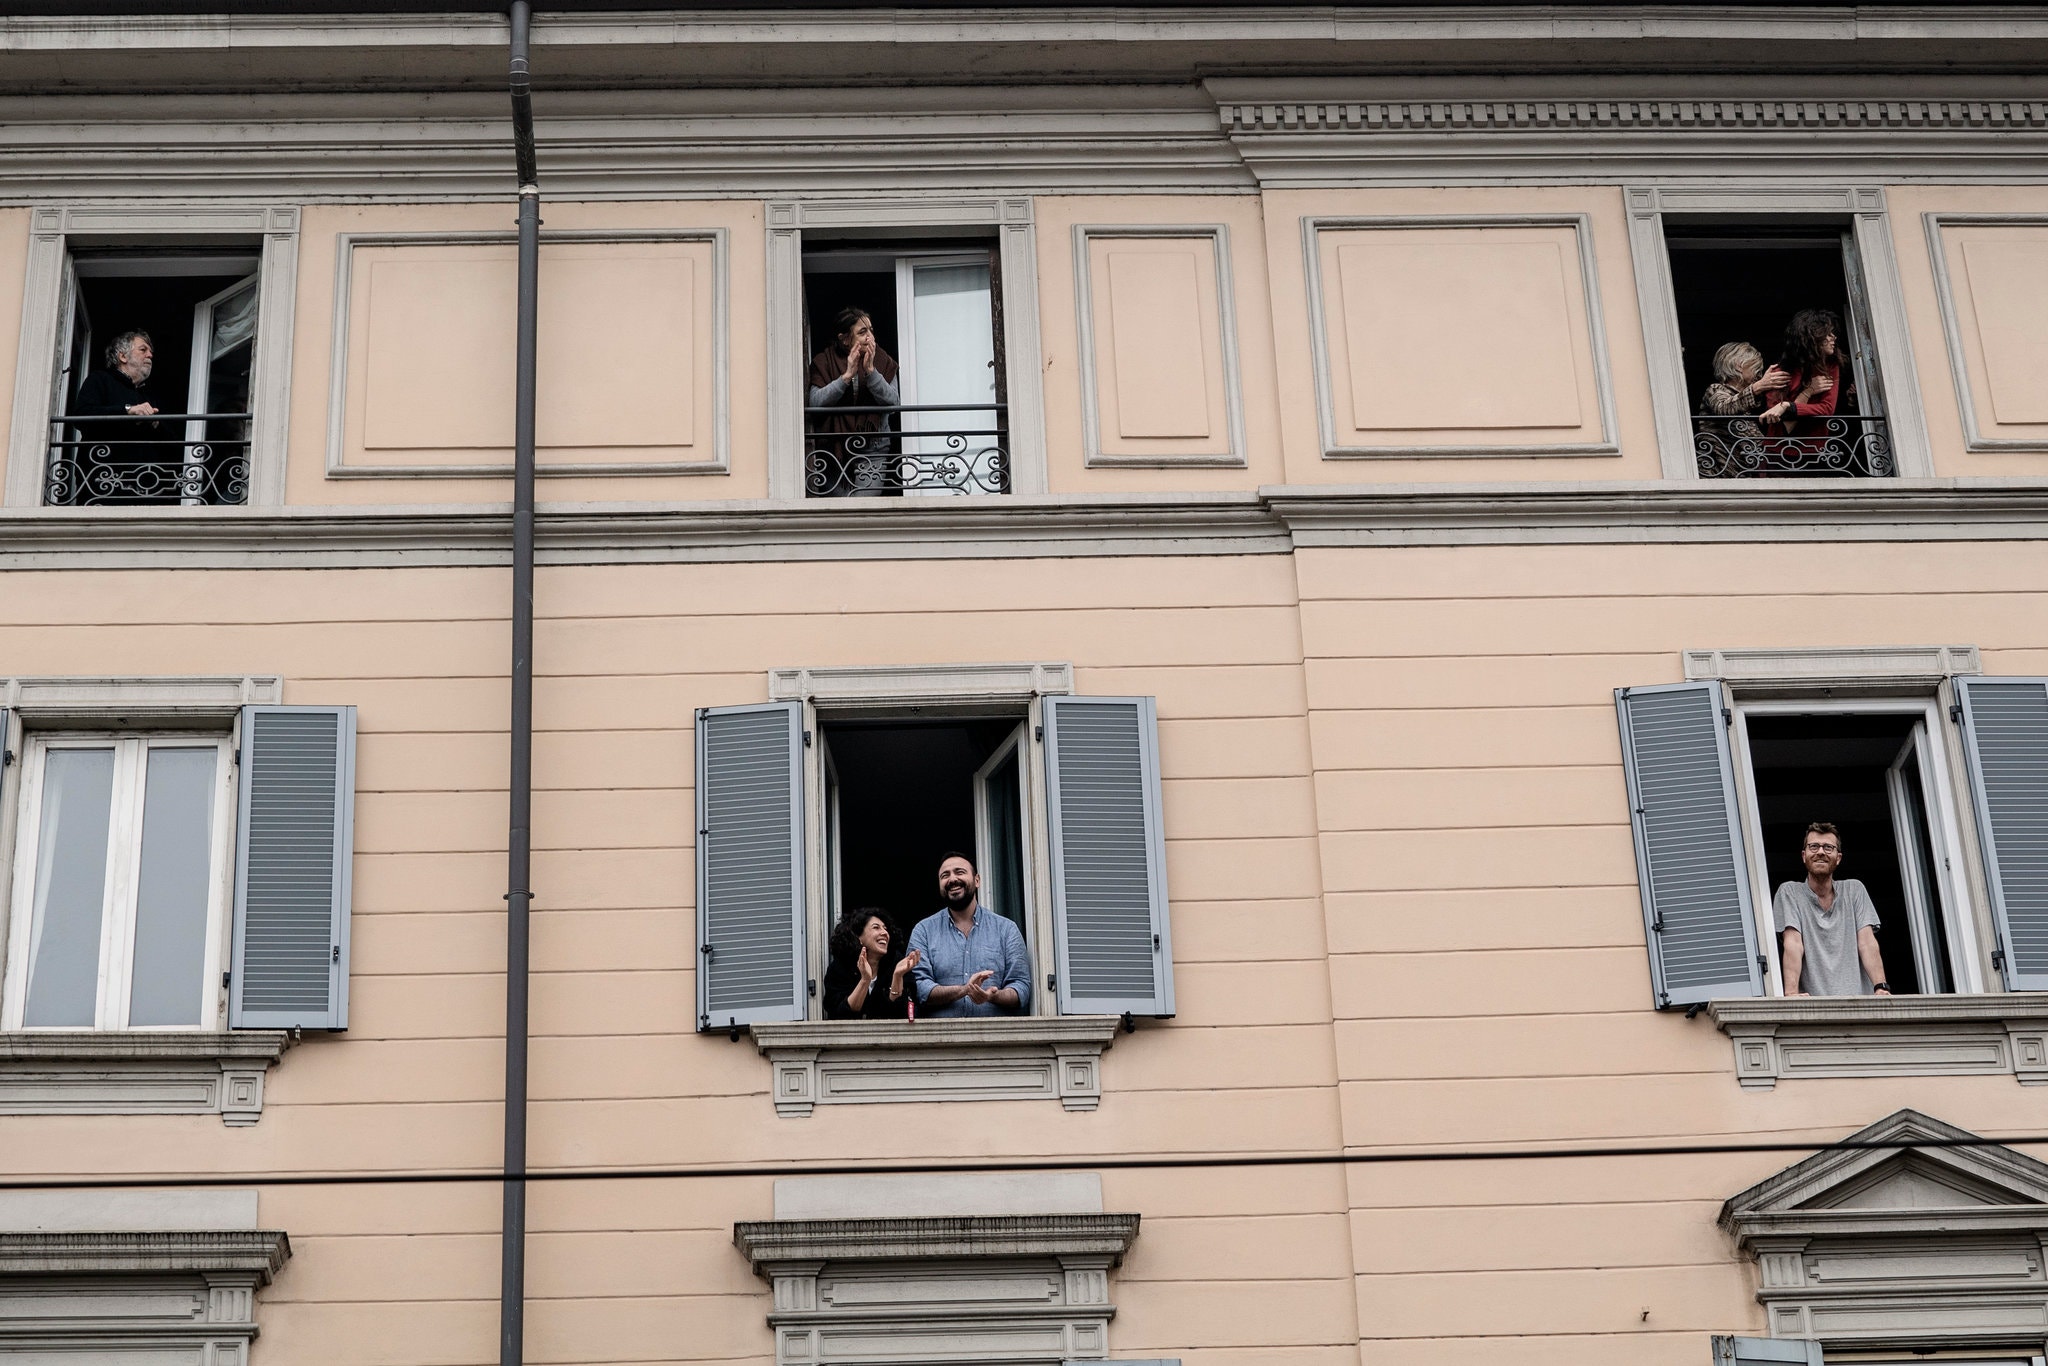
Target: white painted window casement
<point>1920,760</point>
<point>1057,797</point>
<point>224,350</point>
<point>176,858</point>
<point>1849,221</point>
<point>935,295</point>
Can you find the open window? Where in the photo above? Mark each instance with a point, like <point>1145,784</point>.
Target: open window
<point>1722,786</point>
<point>807,808</point>
<point>1878,770</point>
<point>1737,284</point>
<point>170,426</point>
<point>926,414</point>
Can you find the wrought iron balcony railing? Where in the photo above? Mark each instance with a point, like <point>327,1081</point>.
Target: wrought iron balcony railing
<point>1739,448</point>
<point>939,449</point>
<point>96,462</point>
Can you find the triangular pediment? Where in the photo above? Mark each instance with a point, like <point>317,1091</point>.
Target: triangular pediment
<point>1905,1163</point>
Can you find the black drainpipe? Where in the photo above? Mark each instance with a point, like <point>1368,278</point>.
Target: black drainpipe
<point>519,835</point>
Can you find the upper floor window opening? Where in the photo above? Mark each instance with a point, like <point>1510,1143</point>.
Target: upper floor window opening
<point>153,394</point>
<point>905,391</point>
<point>1725,794</point>
<point>1877,771</point>
<point>815,811</point>
<point>1779,362</point>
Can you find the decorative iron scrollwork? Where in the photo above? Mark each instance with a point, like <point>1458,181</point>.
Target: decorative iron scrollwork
<point>145,471</point>
<point>1739,448</point>
<point>890,463</point>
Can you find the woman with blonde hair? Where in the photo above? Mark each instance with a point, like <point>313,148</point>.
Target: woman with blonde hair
<point>1740,380</point>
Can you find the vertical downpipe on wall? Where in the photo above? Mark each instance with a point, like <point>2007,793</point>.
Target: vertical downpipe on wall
<point>519,835</point>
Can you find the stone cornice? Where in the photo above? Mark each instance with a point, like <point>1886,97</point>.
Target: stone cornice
<point>931,1034</point>
<point>1888,117</point>
<point>1274,520</point>
<point>771,1242</point>
<point>256,1252</point>
<point>85,1045</point>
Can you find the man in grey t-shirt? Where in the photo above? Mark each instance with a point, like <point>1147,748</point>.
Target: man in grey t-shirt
<point>1830,927</point>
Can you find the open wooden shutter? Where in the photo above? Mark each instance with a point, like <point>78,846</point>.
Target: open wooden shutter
<point>1733,1351</point>
<point>1689,859</point>
<point>1109,907</point>
<point>294,841</point>
<point>2005,736</point>
<point>750,864</point>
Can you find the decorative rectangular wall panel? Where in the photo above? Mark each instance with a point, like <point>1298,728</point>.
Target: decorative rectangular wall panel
<point>632,365</point>
<point>1992,276</point>
<point>1158,346</point>
<point>1457,337</point>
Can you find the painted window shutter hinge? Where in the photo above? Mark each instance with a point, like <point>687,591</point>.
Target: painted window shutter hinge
<point>1998,958</point>
<point>335,957</point>
<point>1728,716</point>
<point>1038,734</point>
<point>1955,713</point>
<point>810,986</point>
<point>807,739</point>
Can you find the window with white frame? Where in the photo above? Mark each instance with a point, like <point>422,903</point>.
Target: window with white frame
<point>811,806</point>
<point>121,883</point>
<point>181,879</point>
<point>1722,787</point>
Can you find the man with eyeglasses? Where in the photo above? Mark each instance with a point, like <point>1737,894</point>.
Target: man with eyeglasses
<point>1829,924</point>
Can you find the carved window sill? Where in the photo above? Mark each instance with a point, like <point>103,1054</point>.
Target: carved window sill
<point>865,1062</point>
<point>91,1072</point>
<point>1776,1037</point>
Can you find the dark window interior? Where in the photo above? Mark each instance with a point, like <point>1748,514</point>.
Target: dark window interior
<point>906,799</point>
<point>861,273</point>
<point>1744,284</point>
<point>1833,768</point>
<point>161,306</point>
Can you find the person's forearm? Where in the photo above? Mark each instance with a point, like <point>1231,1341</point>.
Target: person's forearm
<point>1872,956</point>
<point>825,395</point>
<point>944,996</point>
<point>1006,997</point>
<point>1795,959</point>
<point>858,997</point>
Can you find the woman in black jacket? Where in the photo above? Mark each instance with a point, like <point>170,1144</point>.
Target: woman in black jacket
<point>866,979</point>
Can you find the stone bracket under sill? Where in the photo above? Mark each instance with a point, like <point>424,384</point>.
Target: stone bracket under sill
<point>856,1062</point>
<point>1783,1037</point>
<point>122,1072</point>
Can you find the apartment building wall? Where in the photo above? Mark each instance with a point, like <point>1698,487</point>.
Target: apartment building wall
<point>1404,904</point>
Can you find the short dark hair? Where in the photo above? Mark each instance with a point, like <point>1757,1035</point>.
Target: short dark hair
<point>849,318</point>
<point>1823,828</point>
<point>122,343</point>
<point>952,854</point>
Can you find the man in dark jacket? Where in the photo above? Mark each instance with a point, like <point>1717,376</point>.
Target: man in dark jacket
<point>101,466</point>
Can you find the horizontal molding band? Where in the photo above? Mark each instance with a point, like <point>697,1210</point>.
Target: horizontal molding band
<point>253,1251</point>
<point>1276,520</point>
<point>1741,115</point>
<point>771,1241</point>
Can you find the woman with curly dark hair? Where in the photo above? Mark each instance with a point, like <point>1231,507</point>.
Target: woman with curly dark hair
<point>865,980</point>
<point>1816,386</point>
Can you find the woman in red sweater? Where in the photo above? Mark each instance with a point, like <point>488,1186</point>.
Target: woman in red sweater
<point>1813,359</point>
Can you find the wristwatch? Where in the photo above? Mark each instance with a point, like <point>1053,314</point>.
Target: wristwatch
<point>1885,987</point>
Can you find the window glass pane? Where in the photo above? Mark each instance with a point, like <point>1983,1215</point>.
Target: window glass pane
<point>70,889</point>
<point>1003,879</point>
<point>169,985</point>
<point>955,335</point>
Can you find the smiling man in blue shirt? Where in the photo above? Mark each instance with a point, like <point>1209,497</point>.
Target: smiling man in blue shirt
<point>971,961</point>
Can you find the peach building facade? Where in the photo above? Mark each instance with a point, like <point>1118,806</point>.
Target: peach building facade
<point>1295,565</point>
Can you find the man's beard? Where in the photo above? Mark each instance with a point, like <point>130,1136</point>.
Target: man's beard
<point>959,896</point>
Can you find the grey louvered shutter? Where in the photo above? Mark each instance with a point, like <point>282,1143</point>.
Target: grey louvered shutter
<point>294,840</point>
<point>750,864</point>
<point>2005,735</point>
<point>1109,908</point>
<point>1689,859</point>
<point>1734,1351</point>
